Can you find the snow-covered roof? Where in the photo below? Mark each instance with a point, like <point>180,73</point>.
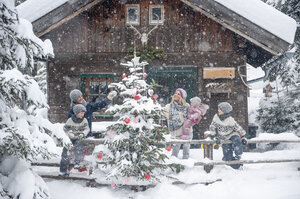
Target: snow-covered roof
<point>34,9</point>
<point>254,20</point>
<point>264,16</point>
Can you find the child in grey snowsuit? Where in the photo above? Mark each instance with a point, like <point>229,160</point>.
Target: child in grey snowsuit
<point>194,115</point>
<point>224,127</point>
<point>77,129</point>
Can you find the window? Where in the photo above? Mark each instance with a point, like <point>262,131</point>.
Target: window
<point>94,87</point>
<point>156,14</point>
<point>133,14</point>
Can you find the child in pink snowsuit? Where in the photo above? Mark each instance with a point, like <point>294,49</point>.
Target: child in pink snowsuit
<point>195,111</point>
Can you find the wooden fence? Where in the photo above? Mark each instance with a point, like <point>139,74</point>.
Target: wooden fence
<point>208,146</point>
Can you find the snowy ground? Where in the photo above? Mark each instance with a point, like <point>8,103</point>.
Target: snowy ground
<point>275,181</point>
<point>261,181</point>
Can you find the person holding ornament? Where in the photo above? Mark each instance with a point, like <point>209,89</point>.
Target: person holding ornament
<point>194,115</point>
<point>76,98</point>
<point>176,114</point>
<point>77,129</point>
<point>224,127</point>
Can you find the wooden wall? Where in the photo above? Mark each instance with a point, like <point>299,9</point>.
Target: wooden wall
<point>96,41</point>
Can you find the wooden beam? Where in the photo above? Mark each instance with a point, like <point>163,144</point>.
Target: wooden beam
<point>40,23</point>
<point>239,25</point>
<point>245,162</point>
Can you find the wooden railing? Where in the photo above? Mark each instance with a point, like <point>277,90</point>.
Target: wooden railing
<point>208,151</point>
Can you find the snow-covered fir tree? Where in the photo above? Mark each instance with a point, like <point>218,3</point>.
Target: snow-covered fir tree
<point>281,112</point>
<point>25,131</point>
<point>132,147</point>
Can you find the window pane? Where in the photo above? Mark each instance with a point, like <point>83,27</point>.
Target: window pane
<point>132,14</point>
<point>156,12</point>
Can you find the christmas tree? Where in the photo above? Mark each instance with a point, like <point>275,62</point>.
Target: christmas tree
<point>132,142</point>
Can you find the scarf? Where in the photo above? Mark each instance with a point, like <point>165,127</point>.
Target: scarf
<point>76,119</point>
<point>174,120</point>
<point>224,116</point>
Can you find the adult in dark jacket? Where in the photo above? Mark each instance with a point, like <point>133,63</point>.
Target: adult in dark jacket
<point>76,98</point>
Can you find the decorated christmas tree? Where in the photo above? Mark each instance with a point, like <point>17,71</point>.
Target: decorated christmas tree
<point>132,148</point>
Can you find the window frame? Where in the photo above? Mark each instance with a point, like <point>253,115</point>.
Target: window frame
<point>96,75</point>
<point>155,22</point>
<point>135,6</point>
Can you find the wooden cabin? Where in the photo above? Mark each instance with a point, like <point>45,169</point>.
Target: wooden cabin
<point>206,46</point>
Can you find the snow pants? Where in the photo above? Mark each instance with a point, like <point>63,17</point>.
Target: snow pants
<point>186,150</point>
<point>186,128</point>
<point>235,147</point>
<point>65,156</point>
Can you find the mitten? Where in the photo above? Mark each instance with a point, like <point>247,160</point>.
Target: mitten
<point>244,140</point>
<point>217,140</point>
<point>185,137</point>
<point>81,136</point>
<point>112,95</point>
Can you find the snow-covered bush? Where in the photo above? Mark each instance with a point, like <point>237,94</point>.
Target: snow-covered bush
<point>25,131</point>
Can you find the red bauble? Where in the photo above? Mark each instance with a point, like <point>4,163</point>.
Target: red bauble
<point>99,156</point>
<point>155,96</point>
<point>147,176</point>
<point>123,76</point>
<point>127,120</point>
<point>169,148</point>
<point>136,97</point>
<point>133,74</point>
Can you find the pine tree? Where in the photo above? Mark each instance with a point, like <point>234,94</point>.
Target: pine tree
<point>133,148</point>
<point>281,113</point>
<point>23,134</point>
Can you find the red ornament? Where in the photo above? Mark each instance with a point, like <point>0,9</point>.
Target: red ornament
<point>133,74</point>
<point>82,169</point>
<point>169,148</point>
<point>147,176</point>
<point>127,120</point>
<point>99,156</point>
<point>155,96</point>
<point>136,97</point>
<point>123,76</point>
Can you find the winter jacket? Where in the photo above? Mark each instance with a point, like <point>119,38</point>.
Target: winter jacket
<point>195,112</point>
<point>75,126</point>
<point>90,108</point>
<point>176,114</point>
<point>225,129</point>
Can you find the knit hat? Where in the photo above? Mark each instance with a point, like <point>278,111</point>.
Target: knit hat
<point>196,101</point>
<point>78,108</point>
<point>75,94</point>
<point>225,107</point>
<point>182,92</point>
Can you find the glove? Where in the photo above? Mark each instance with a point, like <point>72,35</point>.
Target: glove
<point>217,140</point>
<point>244,140</point>
<point>81,136</point>
<point>112,95</point>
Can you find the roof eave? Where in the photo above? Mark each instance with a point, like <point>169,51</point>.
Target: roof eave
<point>239,25</point>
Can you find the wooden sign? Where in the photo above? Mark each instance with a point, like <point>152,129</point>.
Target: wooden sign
<point>216,73</point>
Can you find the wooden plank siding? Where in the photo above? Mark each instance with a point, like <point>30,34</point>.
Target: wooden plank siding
<point>96,41</point>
